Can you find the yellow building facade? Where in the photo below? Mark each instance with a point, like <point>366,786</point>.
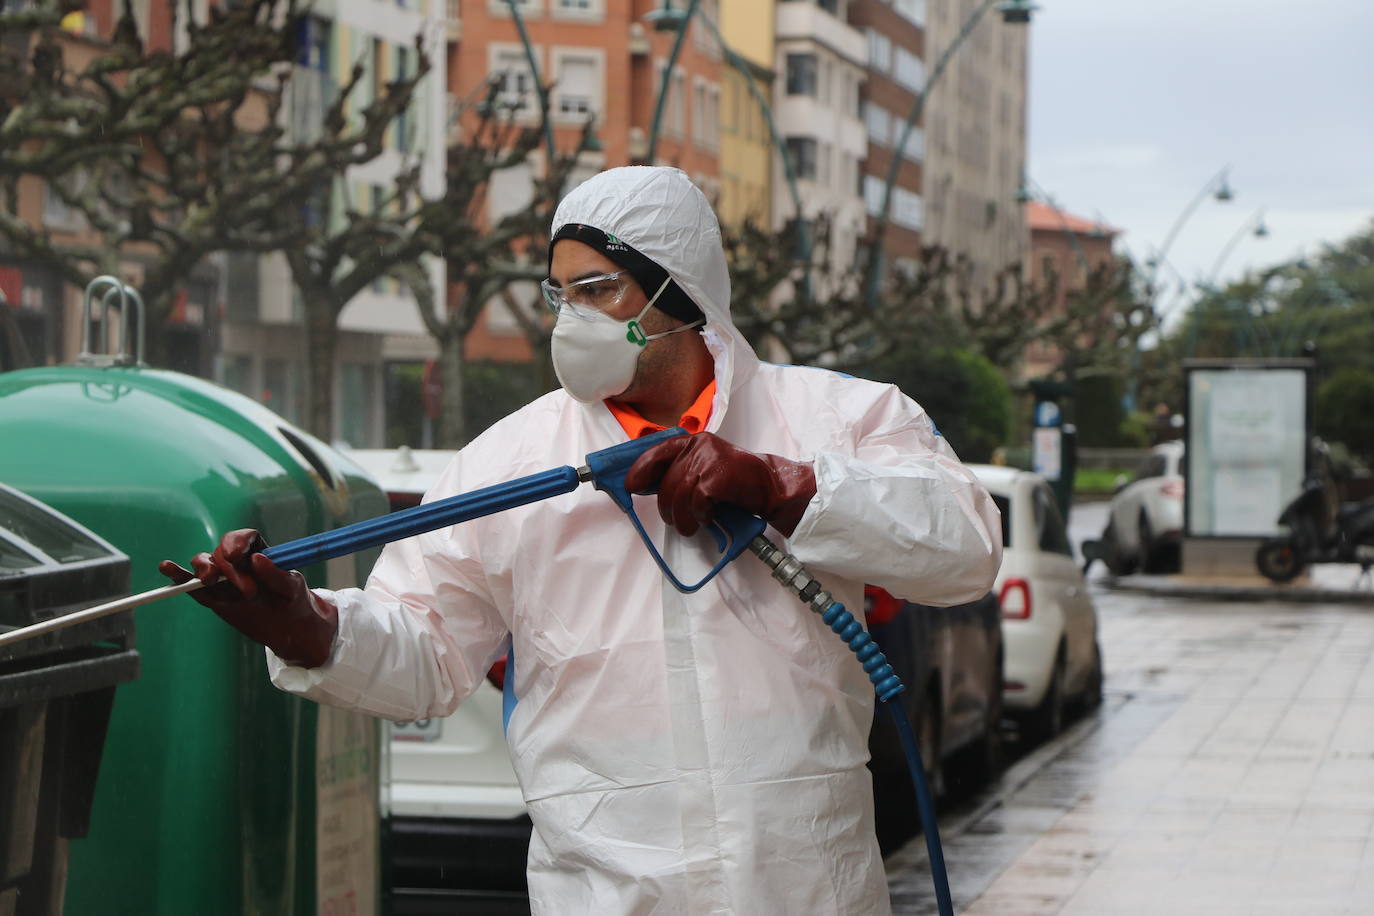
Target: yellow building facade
<point>746,146</point>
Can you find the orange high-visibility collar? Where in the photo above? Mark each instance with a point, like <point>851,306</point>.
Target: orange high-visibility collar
<point>694,420</point>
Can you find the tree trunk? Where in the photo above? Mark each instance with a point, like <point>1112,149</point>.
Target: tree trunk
<point>156,346</point>
<point>452,422</point>
<point>321,349</point>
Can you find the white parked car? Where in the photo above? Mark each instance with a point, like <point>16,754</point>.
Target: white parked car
<point>1145,521</point>
<point>456,823</point>
<point>1049,624</point>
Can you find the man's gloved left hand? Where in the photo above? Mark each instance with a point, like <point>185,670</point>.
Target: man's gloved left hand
<point>693,474</point>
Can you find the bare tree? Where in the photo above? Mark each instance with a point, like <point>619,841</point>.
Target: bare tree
<point>166,155</point>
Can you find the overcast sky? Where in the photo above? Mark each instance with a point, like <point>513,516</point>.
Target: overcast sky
<point>1135,104</point>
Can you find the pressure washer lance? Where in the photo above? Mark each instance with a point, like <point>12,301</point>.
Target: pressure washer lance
<point>605,469</point>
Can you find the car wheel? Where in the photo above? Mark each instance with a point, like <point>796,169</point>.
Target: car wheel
<point>1116,561</point>
<point>1278,559</point>
<point>1149,559</point>
<point>1092,690</point>
<point>1047,719</point>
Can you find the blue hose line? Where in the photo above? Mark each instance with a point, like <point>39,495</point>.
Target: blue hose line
<point>889,687</point>
<point>441,513</point>
<point>925,807</point>
<point>880,674</point>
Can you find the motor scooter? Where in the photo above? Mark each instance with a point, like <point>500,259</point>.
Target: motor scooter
<point>1319,529</point>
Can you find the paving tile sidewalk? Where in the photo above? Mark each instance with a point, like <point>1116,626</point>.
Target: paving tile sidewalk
<point>1230,772</point>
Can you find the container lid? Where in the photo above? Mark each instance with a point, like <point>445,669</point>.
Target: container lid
<point>51,565</point>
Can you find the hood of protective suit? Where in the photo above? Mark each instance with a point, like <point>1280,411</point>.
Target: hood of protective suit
<point>659,212</point>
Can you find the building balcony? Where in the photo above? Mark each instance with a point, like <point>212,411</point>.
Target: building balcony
<point>809,22</point>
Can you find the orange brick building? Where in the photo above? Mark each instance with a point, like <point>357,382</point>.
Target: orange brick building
<point>602,60</point>
<point>1069,248</point>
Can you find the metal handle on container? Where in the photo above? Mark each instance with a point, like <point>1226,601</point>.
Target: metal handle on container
<point>113,287</point>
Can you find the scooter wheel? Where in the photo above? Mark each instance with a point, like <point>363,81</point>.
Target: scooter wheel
<point>1279,560</point>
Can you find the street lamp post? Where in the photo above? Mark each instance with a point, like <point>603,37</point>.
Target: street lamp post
<point>668,19</point>
<point>1252,226</point>
<point>1013,12</point>
<point>539,87</point>
<point>1219,189</point>
<point>1216,187</point>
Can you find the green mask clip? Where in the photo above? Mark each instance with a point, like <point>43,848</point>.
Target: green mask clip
<point>635,334</point>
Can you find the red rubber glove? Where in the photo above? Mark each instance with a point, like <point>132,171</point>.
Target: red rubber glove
<point>694,474</point>
<point>261,600</point>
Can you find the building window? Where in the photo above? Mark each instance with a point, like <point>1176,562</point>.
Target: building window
<point>405,69</point>
<point>510,71</point>
<point>873,194</point>
<point>578,93</point>
<point>583,10</point>
<point>358,387</point>
<point>879,51</point>
<point>909,70</point>
<point>675,108</point>
<point>879,124</point>
<point>699,114</point>
<point>801,74</point>
<point>236,374</point>
<point>56,212</point>
<point>915,10</point>
<point>907,209</point>
<point>1047,267</point>
<point>528,8</point>
<point>713,117</point>
<point>915,148</point>
<point>802,152</point>
<point>851,101</point>
<point>315,38</point>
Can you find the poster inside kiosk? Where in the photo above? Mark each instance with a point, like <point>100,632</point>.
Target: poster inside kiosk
<point>1247,448</point>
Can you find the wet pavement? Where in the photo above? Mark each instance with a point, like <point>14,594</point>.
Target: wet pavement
<point>1229,771</point>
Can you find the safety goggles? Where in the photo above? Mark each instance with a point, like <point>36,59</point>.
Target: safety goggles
<point>588,299</point>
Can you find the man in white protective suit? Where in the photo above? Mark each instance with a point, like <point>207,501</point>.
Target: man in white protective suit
<point>693,754</point>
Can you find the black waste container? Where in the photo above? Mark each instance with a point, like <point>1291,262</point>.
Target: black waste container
<point>56,691</point>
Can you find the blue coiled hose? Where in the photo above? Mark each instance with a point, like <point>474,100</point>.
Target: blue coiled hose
<point>788,570</point>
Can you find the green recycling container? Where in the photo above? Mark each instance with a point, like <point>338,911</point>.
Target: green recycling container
<point>217,792</point>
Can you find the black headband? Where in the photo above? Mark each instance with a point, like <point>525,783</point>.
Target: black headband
<point>673,301</point>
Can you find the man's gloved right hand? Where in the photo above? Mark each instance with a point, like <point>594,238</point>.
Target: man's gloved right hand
<point>266,603</point>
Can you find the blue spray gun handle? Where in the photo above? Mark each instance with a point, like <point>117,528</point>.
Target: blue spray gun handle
<point>733,529</point>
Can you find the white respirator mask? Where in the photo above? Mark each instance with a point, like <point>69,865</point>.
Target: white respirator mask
<point>595,355</point>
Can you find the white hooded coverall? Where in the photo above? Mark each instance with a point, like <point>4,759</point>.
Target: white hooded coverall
<point>678,754</point>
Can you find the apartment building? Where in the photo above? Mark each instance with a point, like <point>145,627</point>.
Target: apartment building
<point>747,149</point>
<point>895,76</point>
<point>820,60</point>
<point>605,61</point>
<point>262,344</point>
<point>975,137</point>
